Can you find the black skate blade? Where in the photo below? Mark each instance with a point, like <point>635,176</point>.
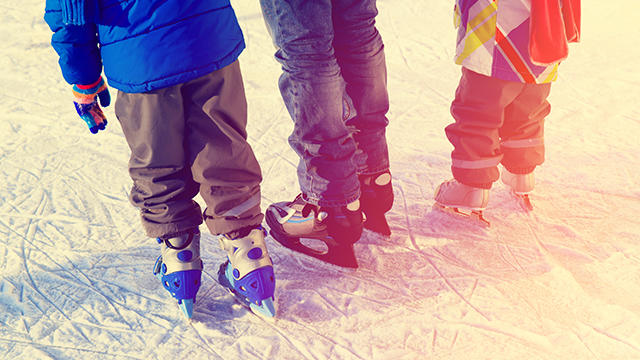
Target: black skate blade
<point>378,224</point>
<point>336,254</point>
<point>474,216</point>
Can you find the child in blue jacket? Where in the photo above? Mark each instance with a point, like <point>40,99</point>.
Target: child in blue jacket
<point>183,111</point>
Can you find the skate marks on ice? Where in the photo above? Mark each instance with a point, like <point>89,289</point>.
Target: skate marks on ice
<point>75,269</point>
<point>556,270</point>
<point>546,284</point>
<point>404,302</point>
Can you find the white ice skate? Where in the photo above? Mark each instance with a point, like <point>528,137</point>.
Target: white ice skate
<point>452,196</point>
<point>179,268</point>
<point>520,185</point>
<point>248,272</point>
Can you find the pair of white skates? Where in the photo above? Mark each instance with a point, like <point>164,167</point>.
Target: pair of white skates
<point>469,202</point>
<point>247,273</point>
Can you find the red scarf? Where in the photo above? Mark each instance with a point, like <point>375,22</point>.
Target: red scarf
<point>552,29</point>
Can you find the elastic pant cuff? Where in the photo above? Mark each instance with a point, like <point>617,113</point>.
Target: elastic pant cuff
<point>522,171</point>
<point>175,234</point>
<point>478,185</point>
<point>240,233</point>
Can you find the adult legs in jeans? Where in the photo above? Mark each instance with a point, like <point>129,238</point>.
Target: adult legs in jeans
<point>334,87</point>
<point>360,54</point>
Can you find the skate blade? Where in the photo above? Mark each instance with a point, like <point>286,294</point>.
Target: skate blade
<point>523,200</point>
<point>474,216</point>
<point>378,224</point>
<point>337,254</point>
<point>266,310</point>
<point>186,306</point>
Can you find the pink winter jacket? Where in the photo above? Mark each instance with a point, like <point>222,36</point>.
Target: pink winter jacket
<point>516,40</point>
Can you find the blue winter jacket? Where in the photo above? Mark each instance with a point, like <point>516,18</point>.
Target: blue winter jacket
<point>143,45</point>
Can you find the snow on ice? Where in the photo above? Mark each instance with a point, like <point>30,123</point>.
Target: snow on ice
<point>561,282</point>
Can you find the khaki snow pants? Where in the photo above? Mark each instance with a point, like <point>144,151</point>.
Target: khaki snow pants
<point>496,121</point>
<point>187,139</point>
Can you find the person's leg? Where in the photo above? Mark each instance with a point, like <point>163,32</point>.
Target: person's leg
<point>522,135</point>
<point>522,139</point>
<point>479,110</point>
<point>229,175</point>
<point>314,92</point>
<point>360,53</point>
<point>163,188</point>
<point>223,162</point>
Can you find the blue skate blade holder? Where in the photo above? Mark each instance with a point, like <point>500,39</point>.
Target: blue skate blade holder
<point>182,285</point>
<point>255,290</point>
<point>186,306</point>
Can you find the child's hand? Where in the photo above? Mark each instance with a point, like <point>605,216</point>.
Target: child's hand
<point>87,104</point>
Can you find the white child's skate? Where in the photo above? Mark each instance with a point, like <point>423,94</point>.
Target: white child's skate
<point>520,185</point>
<point>179,268</point>
<point>452,196</point>
<point>248,272</point>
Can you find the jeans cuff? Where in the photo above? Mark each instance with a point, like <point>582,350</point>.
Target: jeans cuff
<point>330,203</point>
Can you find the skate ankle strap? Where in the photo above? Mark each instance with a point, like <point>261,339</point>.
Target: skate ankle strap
<point>190,232</point>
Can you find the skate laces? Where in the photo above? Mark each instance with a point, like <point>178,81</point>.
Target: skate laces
<point>308,208</point>
<point>444,187</point>
<point>323,212</point>
<point>316,210</point>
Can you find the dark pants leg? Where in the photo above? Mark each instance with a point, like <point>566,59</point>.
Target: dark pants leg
<point>334,87</point>
<point>191,138</point>
<point>495,121</point>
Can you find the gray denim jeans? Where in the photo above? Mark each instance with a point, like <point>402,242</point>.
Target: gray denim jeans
<point>334,84</point>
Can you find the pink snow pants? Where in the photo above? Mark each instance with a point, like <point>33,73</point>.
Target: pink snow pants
<point>496,121</point>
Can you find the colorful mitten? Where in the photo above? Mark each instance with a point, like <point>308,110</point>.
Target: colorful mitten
<point>87,104</point>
